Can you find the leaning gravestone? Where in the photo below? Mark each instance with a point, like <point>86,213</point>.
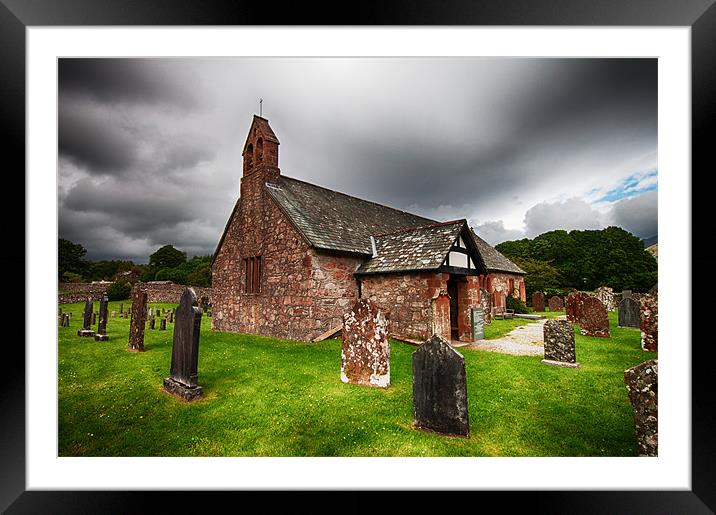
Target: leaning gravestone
<point>606,295</point>
<point>642,383</point>
<point>559,344</point>
<point>574,306</point>
<point>185,350</point>
<point>556,304</point>
<point>440,389</point>
<point>365,355</point>
<point>649,322</point>
<point>538,301</point>
<point>136,324</point>
<point>87,320</point>
<point>594,318</point>
<point>629,313</point>
<point>478,324</point>
<point>101,335</point>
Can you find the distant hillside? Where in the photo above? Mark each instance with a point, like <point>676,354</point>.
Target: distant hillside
<point>653,249</point>
<point>648,242</point>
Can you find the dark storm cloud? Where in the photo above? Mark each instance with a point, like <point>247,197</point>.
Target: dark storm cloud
<point>145,81</point>
<point>150,149</point>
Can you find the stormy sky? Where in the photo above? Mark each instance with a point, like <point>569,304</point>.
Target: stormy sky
<point>150,149</point>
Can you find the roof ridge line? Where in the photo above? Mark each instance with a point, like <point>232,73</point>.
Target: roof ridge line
<point>357,198</point>
<point>428,226</point>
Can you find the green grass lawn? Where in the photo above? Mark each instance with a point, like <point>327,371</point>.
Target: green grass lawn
<point>267,397</point>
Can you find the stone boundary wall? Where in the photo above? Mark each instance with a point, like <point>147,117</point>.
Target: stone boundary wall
<point>156,292</point>
<point>78,292</point>
<point>168,291</point>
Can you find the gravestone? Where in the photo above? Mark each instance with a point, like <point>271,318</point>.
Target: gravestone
<point>365,355</point>
<point>642,383</point>
<point>629,313</point>
<point>121,308</point>
<point>94,318</point>
<point>87,320</point>
<point>559,344</point>
<point>606,295</point>
<point>65,320</point>
<point>538,301</point>
<point>163,324</point>
<point>556,304</point>
<point>151,322</point>
<point>183,377</point>
<point>101,335</point>
<point>136,324</point>
<point>594,318</point>
<point>478,324</point>
<point>440,389</point>
<point>171,316</point>
<point>649,322</point>
<point>574,306</point>
<point>486,305</point>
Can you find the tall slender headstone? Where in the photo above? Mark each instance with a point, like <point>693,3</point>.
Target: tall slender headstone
<point>87,320</point>
<point>440,389</point>
<point>649,321</point>
<point>628,312</point>
<point>559,344</point>
<point>136,324</point>
<point>121,307</point>
<point>101,335</point>
<point>151,322</point>
<point>478,324</point>
<point>642,383</point>
<point>163,324</point>
<point>365,354</point>
<point>171,316</point>
<point>538,301</point>
<point>185,349</point>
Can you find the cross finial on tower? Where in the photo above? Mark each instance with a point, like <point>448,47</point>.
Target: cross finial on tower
<point>261,101</point>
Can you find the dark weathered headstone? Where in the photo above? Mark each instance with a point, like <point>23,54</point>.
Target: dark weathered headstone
<point>87,320</point>
<point>538,301</point>
<point>185,349</point>
<point>642,383</point>
<point>101,335</point>
<point>556,304</point>
<point>151,322</point>
<point>478,324</point>
<point>365,354</point>
<point>136,325</point>
<point>171,316</point>
<point>163,324</point>
<point>559,344</point>
<point>94,318</point>
<point>440,389</point>
<point>629,313</point>
<point>121,307</point>
<point>574,306</point>
<point>606,295</point>
<point>594,318</point>
<point>649,322</point>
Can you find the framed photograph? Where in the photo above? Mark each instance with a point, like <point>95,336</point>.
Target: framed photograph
<point>143,125</point>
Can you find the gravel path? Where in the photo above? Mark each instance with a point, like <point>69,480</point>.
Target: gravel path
<point>526,340</point>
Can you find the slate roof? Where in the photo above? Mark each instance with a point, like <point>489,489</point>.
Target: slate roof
<point>335,221</point>
<point>494,260</point>
<point>422,248</point>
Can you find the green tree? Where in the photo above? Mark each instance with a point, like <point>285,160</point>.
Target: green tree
<point>541,275</point>
<point>167,257</point>
<point>69,258</point>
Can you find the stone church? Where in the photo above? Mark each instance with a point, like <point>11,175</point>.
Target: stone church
<point>295,256</point>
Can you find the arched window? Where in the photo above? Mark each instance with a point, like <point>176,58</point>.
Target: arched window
<point>259,150</point>
<point>250,156</point>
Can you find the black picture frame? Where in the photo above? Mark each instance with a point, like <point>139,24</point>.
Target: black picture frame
<point>699,15</point>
